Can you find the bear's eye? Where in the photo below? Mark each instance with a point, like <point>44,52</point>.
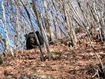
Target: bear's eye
<point>32,40</point>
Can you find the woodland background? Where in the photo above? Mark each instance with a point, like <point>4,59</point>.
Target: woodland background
<point>62,20</point>
<point>58,18</point>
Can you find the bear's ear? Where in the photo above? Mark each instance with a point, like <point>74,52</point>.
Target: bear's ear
<point>37,32</point>
<point>26,35</point>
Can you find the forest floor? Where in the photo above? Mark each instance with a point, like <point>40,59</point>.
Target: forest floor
<point>78,62</point>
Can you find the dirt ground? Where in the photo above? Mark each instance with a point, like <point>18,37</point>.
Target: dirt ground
<point>78,62</point>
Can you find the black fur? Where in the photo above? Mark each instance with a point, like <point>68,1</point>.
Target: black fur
<point>31,41</point>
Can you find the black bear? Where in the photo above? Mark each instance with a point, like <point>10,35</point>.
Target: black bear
<point>31,41</point>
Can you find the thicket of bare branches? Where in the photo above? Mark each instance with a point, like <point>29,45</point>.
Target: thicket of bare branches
<point>57,18</point>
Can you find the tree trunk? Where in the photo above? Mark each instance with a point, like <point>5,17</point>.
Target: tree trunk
<point>41,29</point>
<point>48,18</point>
<point>8,47</point>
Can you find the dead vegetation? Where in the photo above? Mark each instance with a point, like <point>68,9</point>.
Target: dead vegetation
<point>78,62</point>
<point>76,29</point>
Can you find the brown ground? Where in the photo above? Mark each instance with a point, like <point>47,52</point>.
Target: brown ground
<point>79,62</point>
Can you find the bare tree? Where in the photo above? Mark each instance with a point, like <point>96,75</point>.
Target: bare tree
<point>5,29</point>
<point>48,18</point>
